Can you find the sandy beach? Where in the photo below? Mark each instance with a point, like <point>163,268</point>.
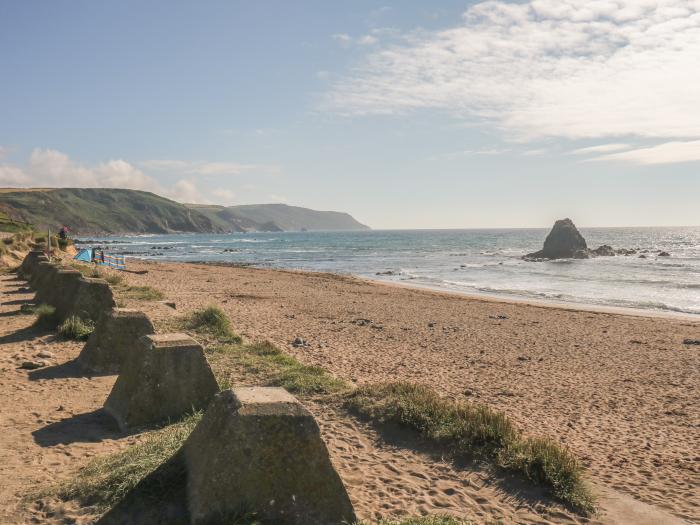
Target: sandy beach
<point>621,391</point>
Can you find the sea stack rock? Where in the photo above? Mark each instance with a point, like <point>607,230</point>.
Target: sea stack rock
<point>259,449</point>
<point>165,378</point>
<point>115,338</point>
<point>563,242</point>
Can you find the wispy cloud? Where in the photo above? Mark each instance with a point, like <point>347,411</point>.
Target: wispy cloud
<point>544,68</point>
<point>207,168</point>
<point>342,38</point>
<point>667,153</point>
<point>602,148</point>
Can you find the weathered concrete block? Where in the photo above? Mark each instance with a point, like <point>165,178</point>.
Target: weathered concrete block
<point>42,280</point>
<point>167,377</point>
<point>91,299</point>
<point>60,291</point>
<point>29,263</point>
<point>116,336</point>
<point>259,449</point>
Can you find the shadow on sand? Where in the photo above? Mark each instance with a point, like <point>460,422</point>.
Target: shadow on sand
<point>90,427</point>
<point>24,334</point>
<point>65,370</point>
<point>16,302</point>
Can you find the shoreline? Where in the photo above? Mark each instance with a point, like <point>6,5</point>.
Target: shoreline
<point>475,296</point>
<point>619,389</point>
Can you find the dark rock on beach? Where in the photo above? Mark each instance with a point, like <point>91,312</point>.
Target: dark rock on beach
<point>604,251</point>
<point>563,242</point>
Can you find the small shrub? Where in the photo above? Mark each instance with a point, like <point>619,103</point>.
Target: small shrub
<point>76,328</point>
<point>213,321</point>
<point>45,316</point>
<point>8,240</point>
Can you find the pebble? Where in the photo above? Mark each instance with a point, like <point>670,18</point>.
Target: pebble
<point>44,354</point>
<point>691,341</point>
<point>299,342</point>
<point>32,365</point>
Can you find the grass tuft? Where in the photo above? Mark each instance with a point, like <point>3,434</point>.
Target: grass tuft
<point>106,481</point>
<point>45,316</point>
<point>141,293</point>
<point>27,309</point>
<point>272,367</point>
<point>212,321</point>
<point>471,430</point>
<point>76,328</point>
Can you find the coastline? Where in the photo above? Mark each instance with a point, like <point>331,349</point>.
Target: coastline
<point>475,296</point>
<point>619,390</point>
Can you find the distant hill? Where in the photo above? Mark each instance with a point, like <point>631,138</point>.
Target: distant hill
<point>277,217</point>
<point>95,210</point>
<point>107,210</point>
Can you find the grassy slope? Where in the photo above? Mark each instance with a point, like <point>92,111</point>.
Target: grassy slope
<point>102,210</point>
<point>274,217</point>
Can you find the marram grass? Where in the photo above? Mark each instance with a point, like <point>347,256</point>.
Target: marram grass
<point>211,321</point>
<point>272,367</point>
<point>76,328</point>
<point>468,429</point>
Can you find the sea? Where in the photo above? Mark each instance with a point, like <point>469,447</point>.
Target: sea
<point>478,261</point>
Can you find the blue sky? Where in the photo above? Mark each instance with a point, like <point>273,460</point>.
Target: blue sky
<point>406,114</point>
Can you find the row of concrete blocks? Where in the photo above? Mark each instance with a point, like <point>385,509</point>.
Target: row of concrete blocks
<point>66,289</point>
<point>256,449</point>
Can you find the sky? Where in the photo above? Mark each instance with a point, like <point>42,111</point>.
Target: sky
<point>406,114</point>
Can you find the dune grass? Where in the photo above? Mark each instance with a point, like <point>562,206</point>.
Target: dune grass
<point>105,481</point>
<point>272,367</point>
<point>470,430</point>
<point>141,293</point>
<point>213,322</point>
<point>76,328</point>
<point>45,316</point>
